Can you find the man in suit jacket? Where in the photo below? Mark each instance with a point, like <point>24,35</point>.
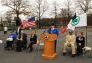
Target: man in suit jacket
<point>80,41</point>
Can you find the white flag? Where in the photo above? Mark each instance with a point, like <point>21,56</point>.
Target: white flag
<point>78,21</point>
<point>82,21</point>
<point>70,26</point>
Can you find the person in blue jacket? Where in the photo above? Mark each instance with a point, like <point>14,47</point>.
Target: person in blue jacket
<point>53,30</point>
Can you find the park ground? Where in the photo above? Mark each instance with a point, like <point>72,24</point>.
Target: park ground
<point>35,56</point>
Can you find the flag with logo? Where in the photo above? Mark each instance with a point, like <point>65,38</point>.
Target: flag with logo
<point>77,21</point>
<point>69,26</point>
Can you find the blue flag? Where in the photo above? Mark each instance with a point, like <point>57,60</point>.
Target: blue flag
<point>31,19</point>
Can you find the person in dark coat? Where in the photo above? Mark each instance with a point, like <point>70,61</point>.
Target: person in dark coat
<point>80,41</point>
<point>19,42</point>
<point>24,42</point>
<point>33,40</point>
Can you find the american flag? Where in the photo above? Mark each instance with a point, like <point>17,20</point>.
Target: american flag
<point>28,24</point>
<point>32,21</point>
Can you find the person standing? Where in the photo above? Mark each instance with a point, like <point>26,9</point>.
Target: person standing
<point>19,42</point>
<point>5,29</point>
<point>53,30</point>
<point>24,42</point>
<point>80,41</point>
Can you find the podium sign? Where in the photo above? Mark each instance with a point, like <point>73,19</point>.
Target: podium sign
<point>49,45</point>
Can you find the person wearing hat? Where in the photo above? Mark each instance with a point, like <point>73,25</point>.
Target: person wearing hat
<point>53,30</point>
<point>80,42</point>
<point>70,42</point>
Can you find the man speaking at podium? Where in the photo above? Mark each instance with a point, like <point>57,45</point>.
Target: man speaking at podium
<point>53,30</point>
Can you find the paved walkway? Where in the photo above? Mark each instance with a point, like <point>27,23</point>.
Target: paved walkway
<point>35,56</point>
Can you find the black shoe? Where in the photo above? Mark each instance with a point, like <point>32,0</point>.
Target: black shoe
<point>64,54</point>
<point>73,55</point>
<point>30,50</point>
<point>18,51</point>
<point>78,54</point>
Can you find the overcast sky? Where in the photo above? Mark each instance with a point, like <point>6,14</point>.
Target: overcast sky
<point>61,4</point>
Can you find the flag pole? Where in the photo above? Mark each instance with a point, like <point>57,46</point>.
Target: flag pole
<point>86,34</point>
<point>86,37</point>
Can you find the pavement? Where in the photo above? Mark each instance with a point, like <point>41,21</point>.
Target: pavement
<point>36,55</point>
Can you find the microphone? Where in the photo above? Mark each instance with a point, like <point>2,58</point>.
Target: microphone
<point>46,35</point>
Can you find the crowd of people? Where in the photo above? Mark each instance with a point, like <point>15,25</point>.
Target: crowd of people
<point>19,40</point>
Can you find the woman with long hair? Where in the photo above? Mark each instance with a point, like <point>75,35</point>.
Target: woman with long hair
<point>33,40</point>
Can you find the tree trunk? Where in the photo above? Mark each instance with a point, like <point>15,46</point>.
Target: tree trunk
<point>18,20</point>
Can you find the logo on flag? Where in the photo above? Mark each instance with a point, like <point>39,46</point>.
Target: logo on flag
<point>75,21</point>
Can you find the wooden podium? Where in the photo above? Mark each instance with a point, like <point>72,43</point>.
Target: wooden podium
<point>49,45</point>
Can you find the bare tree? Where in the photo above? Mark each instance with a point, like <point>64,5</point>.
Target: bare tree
<point>67,12</point>
<point>40,7</point>
<point>8,16</point>
<point>64,15</point>
<point>55,11</point>
<point>85,5</point>
<point>1,22</point>
<point>17,6</point>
